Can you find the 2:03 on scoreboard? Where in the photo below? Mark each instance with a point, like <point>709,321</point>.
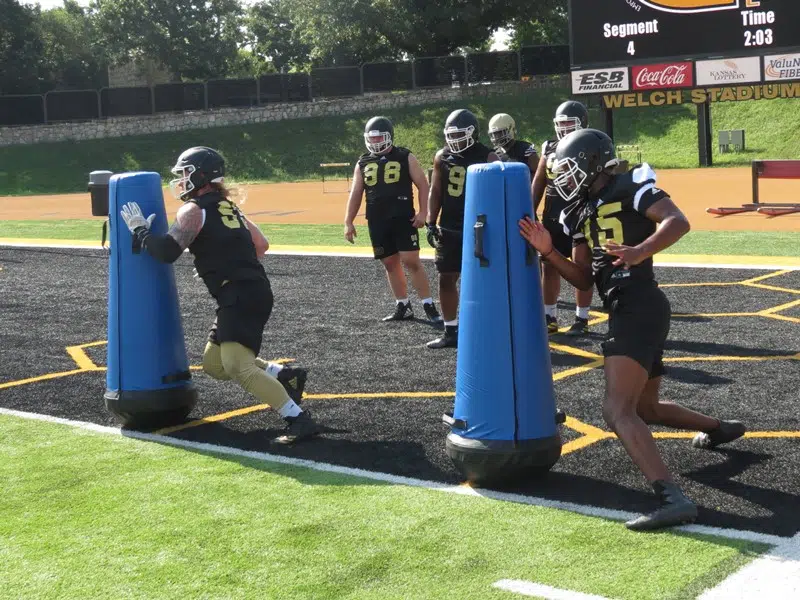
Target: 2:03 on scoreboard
<point>616,32</point>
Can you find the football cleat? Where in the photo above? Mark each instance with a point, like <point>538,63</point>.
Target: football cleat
<point>293,380</point>
<point>579,327</point>
<point>676,509</point>
<point>432,314</point>
<point>448,340</point>
<point>552,324</point>
<point>402,312</point>
<point>726,432</point>
<point>299,428</point>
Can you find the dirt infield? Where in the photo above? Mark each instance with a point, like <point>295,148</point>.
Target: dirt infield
<point>694,190</point>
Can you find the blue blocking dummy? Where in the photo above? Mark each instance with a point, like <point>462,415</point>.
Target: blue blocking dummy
<point>504,425</point>
<point>148,382</point>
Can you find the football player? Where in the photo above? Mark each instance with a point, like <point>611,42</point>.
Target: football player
<point>447,194</point>
<point>503,135</point>
<point>387,172</point>
<point>618,222</point>
<point>570,116</point>
<point>226,248</point>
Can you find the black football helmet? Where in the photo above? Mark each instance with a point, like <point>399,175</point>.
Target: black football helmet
<point>580,158</point>
<point>379,135</point>
<point>570,116</point>
<point>461,130</point>
<point>195,168</point>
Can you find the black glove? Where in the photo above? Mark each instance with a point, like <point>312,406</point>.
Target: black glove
<point>434,236</point>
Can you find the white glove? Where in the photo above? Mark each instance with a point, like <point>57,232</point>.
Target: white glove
<point>133,217</point>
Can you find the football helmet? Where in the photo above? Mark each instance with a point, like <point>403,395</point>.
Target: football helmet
<point>378,135</point>
<point>195,168</point>
<point>579,159</point>
<point>461,130</point>
<point>570,116</point>
<point>502,130</point>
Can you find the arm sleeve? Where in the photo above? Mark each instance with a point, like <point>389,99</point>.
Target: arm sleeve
<point>161,247</point>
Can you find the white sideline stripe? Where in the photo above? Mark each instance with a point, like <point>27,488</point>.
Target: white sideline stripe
<point>773,576</point>
<point>368,254</point>
<point>587,510</point>
<point>529,588</point>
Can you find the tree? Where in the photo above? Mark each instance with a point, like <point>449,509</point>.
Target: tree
<point>71,57</point>
<point>194,39</point>
<point>274,37</point>
<point>440,27</point>
<point>541,24</point>
<point>21,49</point>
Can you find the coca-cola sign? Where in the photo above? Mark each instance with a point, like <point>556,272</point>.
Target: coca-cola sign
<point>662,76</point>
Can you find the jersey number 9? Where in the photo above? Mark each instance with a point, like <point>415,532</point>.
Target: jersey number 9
<point>458,177</point>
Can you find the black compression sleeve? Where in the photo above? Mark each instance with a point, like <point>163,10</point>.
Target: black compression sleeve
<point>161,247</point>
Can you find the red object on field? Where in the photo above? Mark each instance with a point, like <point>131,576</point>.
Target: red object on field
<point>766,169</point>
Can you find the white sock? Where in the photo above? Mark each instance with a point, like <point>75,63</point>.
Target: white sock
<point>402,300</point>
<point>550,309</point>
<point>273,368</point>
<point>582,312</point>
<point>427,301</point>
<point>290,409</point>
<point>453,323</point>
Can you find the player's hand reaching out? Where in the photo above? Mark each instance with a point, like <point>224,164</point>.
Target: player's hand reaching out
<point>536,235</point>
<point>627,256</point>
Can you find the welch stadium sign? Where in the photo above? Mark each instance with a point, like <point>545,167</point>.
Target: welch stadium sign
<point>699,96</point>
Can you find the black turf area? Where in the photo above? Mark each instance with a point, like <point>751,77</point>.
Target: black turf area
<point>327,317</point>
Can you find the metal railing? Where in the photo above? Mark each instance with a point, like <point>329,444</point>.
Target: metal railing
<point>321,83</point>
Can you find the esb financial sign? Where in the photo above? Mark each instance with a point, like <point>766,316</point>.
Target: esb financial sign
<point>662,76</point>
<point>599,81</point>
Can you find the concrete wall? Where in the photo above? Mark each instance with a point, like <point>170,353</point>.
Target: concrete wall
<point>374,103</point>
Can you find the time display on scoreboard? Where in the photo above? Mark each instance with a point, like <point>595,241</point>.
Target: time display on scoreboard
<point>627,31</point>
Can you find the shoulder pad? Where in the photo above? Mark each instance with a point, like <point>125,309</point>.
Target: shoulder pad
<point>642,173</point>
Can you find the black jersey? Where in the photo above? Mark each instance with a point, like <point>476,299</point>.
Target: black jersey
<point>224,250</point>
<point>553,203</point>
<point>519,151</point>
<point>387,182</point>
<point>618,214</point>
<point>454,183</point>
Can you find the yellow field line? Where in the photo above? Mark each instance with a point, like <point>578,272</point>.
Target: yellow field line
<point>767,276</point>
<point>772,288</point>
<point>713,315</point>
<point>213,419</point>
<point>586,429</point>
<point>784,318</point>
<point>578,370</point>
<point>777,309</point>
<point>10,384</point>
<point>574,351</point>
<point>81,359</point>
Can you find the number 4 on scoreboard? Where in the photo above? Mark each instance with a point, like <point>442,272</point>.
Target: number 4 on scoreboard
<point>631,48</point>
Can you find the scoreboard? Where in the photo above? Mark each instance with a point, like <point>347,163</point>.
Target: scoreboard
<point>606,33</point>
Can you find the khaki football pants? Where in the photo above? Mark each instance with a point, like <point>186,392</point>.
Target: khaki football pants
<point>231,360</point>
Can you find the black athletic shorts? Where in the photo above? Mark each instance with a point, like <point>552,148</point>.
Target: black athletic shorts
<point>392,235</point>
<point>243,308</point>
<point>561,241</point>
<point>638,325</point>
<point>448,254</point>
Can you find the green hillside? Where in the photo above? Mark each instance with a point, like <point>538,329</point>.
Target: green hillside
<point>293,150</point>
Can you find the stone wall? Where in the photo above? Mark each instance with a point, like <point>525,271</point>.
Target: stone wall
<point>374,103</point>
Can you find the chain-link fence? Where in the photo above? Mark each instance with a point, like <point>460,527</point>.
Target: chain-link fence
<point>329,82</point>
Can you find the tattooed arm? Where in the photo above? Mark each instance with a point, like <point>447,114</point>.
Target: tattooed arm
<point>167,248</point>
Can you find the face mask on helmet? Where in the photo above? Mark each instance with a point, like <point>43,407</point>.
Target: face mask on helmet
<point>459,140</point>
<point>378,142</point>
<point>501,138</point>
<point>565,125</point>
<point>182,186</point>
<point>570,179</point>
